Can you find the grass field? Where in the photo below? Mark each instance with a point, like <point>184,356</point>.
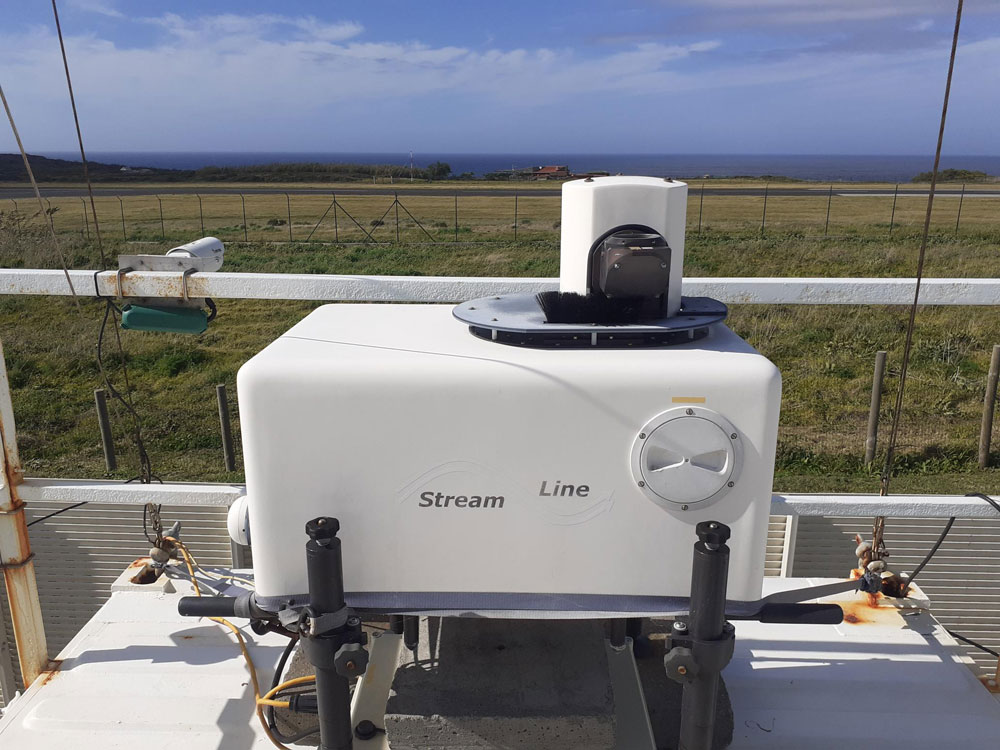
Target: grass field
<point>825,353</point>
<point>275,217</point>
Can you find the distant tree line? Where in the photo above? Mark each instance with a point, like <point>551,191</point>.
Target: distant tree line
<point>956,175</point>
<point>62,170</point>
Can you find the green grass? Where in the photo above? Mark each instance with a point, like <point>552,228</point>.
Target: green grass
<point>825,353</point>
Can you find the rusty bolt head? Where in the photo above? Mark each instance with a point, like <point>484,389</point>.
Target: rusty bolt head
<point>713,533</point>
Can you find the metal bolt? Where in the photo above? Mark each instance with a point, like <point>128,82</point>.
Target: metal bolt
<point>472,308</point>
<point>642,435</point>
<point>731,484</point>
<point>351,666</point>
<point>684,507</point>
<point>713,525</point>
<point>321,522</point>
<point>682,670</point>
<point>734,436</point>
<point>663,265</point>
<point>680,626</point>
<point>353,621</point>
<point>642,484</point>
<point>689,412</point>
<point>617,265</point>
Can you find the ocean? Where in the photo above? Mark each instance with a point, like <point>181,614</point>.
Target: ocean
<point>846,168</point>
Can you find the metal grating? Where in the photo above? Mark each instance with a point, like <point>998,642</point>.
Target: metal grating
<point>80,553</point>
<point>962,581</point>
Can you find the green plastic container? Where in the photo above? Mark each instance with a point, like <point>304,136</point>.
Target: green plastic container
<point>164,319</point>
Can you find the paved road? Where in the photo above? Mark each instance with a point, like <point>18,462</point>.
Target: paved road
<point>126,191</point>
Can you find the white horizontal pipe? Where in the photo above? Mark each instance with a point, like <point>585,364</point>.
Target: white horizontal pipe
<point>329,287</point>
<point>209,494</point>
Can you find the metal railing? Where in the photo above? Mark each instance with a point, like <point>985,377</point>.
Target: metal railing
<point>16,490</point>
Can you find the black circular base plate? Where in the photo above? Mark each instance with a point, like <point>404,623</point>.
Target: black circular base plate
<point>517,320</point>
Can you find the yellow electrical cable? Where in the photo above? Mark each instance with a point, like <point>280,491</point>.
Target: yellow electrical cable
<point>270,702</point>
<point>259,710</point>
<point>308,679</point>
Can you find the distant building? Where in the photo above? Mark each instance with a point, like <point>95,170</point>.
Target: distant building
<point>550,173</point>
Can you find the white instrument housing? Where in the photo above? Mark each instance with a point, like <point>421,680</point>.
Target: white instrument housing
<point>594,207</point>
<point>476,477</point>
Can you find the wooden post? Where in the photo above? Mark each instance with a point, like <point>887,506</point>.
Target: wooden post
<point>871,441</point>
<point>15,549</point>
<point>104,423</point>
<point>989,406</point>
<point>228,455</point>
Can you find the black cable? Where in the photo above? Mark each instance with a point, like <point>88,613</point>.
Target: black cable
<point>212,309</point>
<point>56,513</point>
<point>927,558</point>
<point>971,642</point>
<point>944,534</point>
<point>269,710</point>
<point>987,498</point>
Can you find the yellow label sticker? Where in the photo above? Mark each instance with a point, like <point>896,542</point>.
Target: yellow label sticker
<point>688,399</point>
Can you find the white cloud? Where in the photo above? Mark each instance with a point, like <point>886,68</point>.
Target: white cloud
<point>227,80</point>
<point>808,12</point>
<point>101,7</point>
<point>922,25</point>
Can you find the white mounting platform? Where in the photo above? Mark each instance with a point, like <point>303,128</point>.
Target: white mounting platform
<point>139,675</point>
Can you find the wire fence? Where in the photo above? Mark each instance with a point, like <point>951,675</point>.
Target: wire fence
<point>517,216</point>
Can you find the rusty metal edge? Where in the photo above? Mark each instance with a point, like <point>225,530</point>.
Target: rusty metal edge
<point>18,567</point>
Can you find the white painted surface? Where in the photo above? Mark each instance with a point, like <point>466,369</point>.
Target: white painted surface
<point>360,411</point>
<point>140,676</point>
<point>330,288</point>
<point>209,494</point>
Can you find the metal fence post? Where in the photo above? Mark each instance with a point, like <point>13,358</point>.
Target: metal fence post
<point>763,216</point>
<point>121,205</point>
<point>243,202</point>
<point>829,201</point>
<point>201,215</point>
<point>86,221</point>
<point>892,218</point>
<point>336,228</point>
<point>163,232</point>
<point>871,441</point>
<point>16,556</point>
<point>961,199</point>
<point>701,205</point>
<point>989,406</point>
<point>288,204</point>
<point>456,216</point>
<point>104,424</point>
<point>395,203</point>
<point>515,216</point>
<point>228,454</point>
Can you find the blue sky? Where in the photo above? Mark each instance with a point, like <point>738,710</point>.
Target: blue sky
<point>633,76</point>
